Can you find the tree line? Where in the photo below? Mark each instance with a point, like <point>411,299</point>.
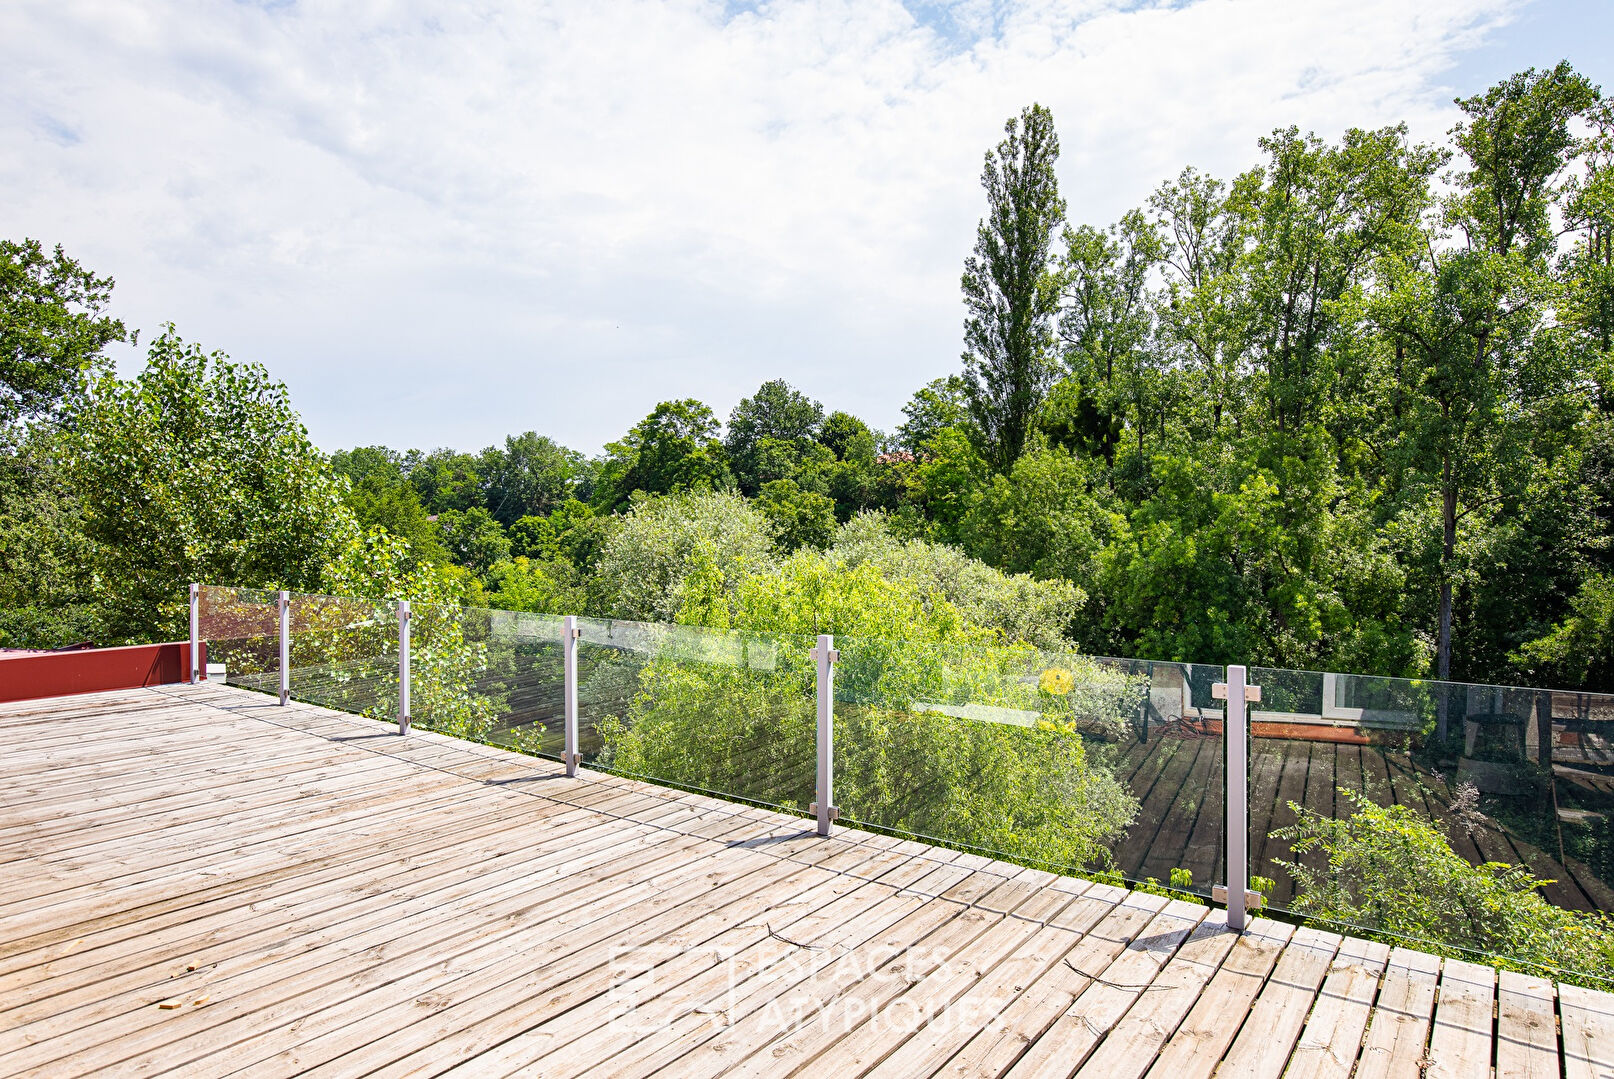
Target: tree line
<point>1349,410</point>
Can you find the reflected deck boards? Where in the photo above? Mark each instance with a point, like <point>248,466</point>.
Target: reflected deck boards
<point>195,881</point>
<point>1179,820</point>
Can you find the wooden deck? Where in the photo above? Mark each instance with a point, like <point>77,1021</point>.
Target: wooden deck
<point>197,882</point>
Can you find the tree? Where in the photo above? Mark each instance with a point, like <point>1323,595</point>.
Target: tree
<point>1470,316</point>
<point>396,507</point>
<point>47,595</point>
<point>940,403</point>
<point>945,480</point>
<point>1010,292</point>
<point>526,584</point>
<point>848,437</point>
<point>473,539</point>
<point>1107,326</point>
<point>52,329</point>
<point>675,448</point>
<point>777,412</point>
<point>446,479</point>
<point>378,463</point>
<point>1391,870</point>
<point>1044,518</point>
<point>798,518</point>
<point>531,474</point>
<point>645,561</point>
<point>198,469</point>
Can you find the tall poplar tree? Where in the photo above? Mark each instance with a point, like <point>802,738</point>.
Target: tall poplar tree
<point>1010,290</point>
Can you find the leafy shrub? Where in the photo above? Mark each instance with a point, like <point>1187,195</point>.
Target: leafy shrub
<point>1018,606</point>
<point>1391,870</point>
<point>642,567</point>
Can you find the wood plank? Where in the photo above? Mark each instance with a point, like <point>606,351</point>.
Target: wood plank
<point>1332,1038</point>
<point>1095,1012</point>
<point>722,1024</point>
<point>1155,822</point>
<point>931,992</point>
<point>1199,1043</point>
<point>1136,1040</point>
<point>1272,1028</point>
<point>1265,848</point>
<point>348,900</point>
<point>928,1049</point>
<point>1203,855</point>
<point>318,992</point>
<point>1154,793</point>
<point>703,991</point>
<point>1526,1027</point>
<point>998,1045</point>
<point>804,1042</point>
<point>1398,1033</point>
<point>1169,849</point>
<point>1461,1040</point>
<point>1587,1018</point>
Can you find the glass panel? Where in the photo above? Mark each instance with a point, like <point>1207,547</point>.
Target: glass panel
<point>727,712</point>
<point>241,629</point>
<point>1372,798</point>
<point>1052,759</point>
<point>344,654</point>
<point>511,666</point>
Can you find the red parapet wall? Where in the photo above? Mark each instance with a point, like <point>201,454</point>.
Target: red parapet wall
<point>91,670</point>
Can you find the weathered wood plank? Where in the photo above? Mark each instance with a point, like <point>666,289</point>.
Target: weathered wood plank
<point>1587,1019</point>
<point>1200,1041</point>
<point>1272,1028</point>
<point>1526,1027</point>
<point>1332,1038</point>
<point>1398,1033</point>
<point>1461,1042</point>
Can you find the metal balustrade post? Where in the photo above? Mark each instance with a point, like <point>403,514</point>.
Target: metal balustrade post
<point>403,666</point>
<point>824,808</point>
<point>568,647</point>
<point>1236,759</point>
<point>196,633</point>
<point>285,647</point>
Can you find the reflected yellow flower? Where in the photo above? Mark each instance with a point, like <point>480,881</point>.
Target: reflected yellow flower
<point>1056,680</point>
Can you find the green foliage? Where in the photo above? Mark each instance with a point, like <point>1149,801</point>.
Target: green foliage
<point>52,330</point>
<point>526,584</point>
<point>644,561</point>
<point>198,470</point>
<point>360,653</point>
<point>47,598</point>
<point>447,480</point>
<point>945,481</point>
<point>1391,871</point>
<point>530,474</point>
<point>731,709</point>
<point>1011,293</point>
<point>779,413</point>
<point>1580,649</point>
<point>1018,607</point>
<point>934,407</point>
<point>473,539</point>
<point>394,506</point>
<point>1047,517</point>
<point>798,518</point>
<point>675,448</point>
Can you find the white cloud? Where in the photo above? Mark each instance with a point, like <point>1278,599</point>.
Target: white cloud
<point>442,224</point>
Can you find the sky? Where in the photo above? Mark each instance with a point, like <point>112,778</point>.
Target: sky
<point>440,224</point>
